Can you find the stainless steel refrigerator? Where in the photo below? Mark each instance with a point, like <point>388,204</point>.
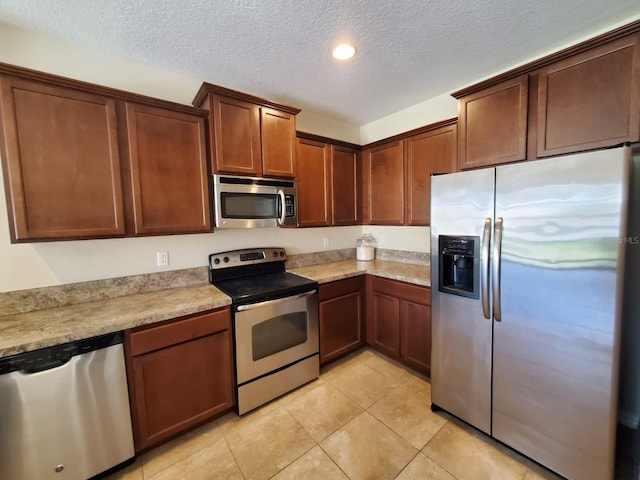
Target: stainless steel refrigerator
<point>526,278</point>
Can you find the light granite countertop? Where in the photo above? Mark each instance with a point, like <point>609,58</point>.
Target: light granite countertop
<point>21,332</point>
<point>405,272</point>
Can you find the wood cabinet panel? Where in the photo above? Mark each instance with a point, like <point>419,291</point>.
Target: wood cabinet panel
<point>431,152</point>
<point>590,100</point>
<point>250,135</point>
<point>493,124</point>
<point>313,183</point>
<point>168,167</point>
<point>155,337</point>
<point>383,184</point>
<point>341,318</point>
<point>399,321</point>
<point>278,130</point>
<point>176,385</point>
<point>61,162</point>
<point>235,136</point>
<point>346,180</point>
<point>416,336</point>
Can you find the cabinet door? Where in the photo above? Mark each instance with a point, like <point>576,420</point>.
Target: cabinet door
<point>493,124</point>
<point>168,171</point>
<point>61,162</point>
<point>416,336</point>
<point>590,100</point>
<point>341,318</point>
<point>431,152</point>
<point>278,130</point>
<point>235,136</point>
<point>383,184</point>
<point>181,375</point>
<point>383,318</point>
<point>346,180</point>
<point>313,183</point>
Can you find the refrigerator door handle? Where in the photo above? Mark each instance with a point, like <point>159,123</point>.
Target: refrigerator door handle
<point>497,251</point>
<point>485,273</point>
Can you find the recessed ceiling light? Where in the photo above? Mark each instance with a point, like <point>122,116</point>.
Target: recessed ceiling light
<point>344,51</point>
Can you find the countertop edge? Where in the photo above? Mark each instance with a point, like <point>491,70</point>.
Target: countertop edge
<point>28,331</point>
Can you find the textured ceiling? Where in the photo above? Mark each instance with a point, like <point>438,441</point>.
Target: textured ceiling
<point>408,51</point>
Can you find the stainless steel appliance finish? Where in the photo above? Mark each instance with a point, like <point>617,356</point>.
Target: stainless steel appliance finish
<point>540,371</point>
<point>65,411</point>
<point>252,202</point>
<point>275,323</point>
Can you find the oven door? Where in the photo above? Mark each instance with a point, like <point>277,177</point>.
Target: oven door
<point>272,334</point>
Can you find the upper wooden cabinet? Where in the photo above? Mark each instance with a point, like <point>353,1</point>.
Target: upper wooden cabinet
<point>249,135</point>
<point>328,181</point>
<point>278,133</point>
<point>168,171</point>
<point>235,136</point>
<point>345,185</point>
<point>581,98</point>
<point>493,124</point>
<point>397,174</point>
<point>426,153</point>
<point>383,184</point>
<point>61,162</point>
<point>86,161</point>
<point>313,183</point>
<point>590,100</point>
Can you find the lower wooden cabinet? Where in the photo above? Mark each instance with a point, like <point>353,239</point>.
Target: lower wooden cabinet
<point>399,321</point>
<point>341,318</point>
<point>180,374</point>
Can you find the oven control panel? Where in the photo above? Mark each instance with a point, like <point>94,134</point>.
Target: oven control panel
<point>248,256</point>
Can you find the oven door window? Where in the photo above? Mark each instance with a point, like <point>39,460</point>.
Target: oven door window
<point>249,205</point>
<point>278,334</point>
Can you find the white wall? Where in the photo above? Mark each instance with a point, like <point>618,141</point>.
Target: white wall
<point>430,111</point>
<point>412,239</point>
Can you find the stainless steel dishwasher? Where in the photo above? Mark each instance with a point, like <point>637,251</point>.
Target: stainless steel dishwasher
<point>64,411</point>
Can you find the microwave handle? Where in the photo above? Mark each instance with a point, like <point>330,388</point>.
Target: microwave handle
<point>283,210</point>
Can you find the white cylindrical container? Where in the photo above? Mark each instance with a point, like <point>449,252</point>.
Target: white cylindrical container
<point>365,247</point>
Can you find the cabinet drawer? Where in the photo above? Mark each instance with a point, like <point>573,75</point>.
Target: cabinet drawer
<point>147,339</point>
<point>406,291</point>
<point>340,288</point>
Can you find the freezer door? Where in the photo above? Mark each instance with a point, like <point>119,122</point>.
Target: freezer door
<point>461,335</point>
<point>555,349</point>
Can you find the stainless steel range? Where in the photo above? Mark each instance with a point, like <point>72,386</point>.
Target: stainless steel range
<point>275,323</point>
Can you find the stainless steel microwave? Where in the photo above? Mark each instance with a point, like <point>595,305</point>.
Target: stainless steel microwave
<point>251,202</point>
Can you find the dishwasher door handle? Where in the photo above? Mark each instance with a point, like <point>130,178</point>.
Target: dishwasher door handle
<point>48,364</point>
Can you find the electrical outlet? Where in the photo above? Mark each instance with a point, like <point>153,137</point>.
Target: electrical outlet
<point>162,259</point>
<point>326,241</point>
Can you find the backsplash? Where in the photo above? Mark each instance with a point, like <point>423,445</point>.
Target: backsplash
<point>21,301</point>
<point>403,256</point>
<point>316,258</point>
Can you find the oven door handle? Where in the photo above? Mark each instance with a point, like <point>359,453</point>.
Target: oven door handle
<point>253,306</point>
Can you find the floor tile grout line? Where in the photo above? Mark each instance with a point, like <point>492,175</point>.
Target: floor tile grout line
<point>215,426</point>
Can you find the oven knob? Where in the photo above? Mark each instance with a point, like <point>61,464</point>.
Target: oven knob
<point>275,254</point>
<point>216,261</point>
<point>225,259</point>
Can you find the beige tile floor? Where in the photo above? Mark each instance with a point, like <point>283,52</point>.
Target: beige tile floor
<point>366,417</point>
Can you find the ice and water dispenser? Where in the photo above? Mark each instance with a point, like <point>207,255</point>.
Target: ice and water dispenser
<point>459,263</point>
